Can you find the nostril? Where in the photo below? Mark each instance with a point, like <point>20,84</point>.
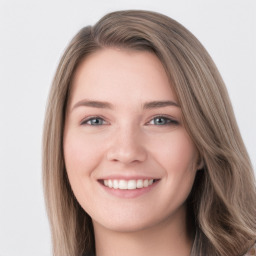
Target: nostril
<point>127,155</point>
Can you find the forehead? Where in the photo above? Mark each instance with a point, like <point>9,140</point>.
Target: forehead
<point>119,74</point>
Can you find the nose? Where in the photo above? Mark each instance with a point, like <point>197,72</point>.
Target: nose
<point>127,147</point>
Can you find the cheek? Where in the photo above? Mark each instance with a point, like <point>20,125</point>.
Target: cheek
<point>80,154</point>
<point>81,158</point>
<point>176,152</point>
<point>177,156</point>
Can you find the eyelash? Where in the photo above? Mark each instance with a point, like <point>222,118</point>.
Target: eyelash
<point>85,122</point>
<point>168,121</point>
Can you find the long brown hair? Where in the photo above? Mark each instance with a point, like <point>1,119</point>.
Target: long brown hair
<point>222,203</point>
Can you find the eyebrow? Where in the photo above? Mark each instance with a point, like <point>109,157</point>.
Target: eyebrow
<point>93,104</point>
<point>160,104</point>
<point>103,104</point>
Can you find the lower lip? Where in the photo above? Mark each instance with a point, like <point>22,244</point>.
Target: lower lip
<point>129,193</point>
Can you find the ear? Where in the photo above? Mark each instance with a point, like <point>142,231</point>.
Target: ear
<point>200,163</point>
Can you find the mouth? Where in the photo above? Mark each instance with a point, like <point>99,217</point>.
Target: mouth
<point>128,184</point>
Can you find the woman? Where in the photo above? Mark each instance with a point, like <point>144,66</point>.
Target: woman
<point>141,152</point>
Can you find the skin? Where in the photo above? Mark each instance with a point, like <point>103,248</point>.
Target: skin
<point>129,141</point>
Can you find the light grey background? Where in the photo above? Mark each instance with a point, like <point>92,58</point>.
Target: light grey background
<point>33,35</point>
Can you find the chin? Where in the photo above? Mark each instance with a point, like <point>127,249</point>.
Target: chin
<point>125,227</point>
<point>129,224</point>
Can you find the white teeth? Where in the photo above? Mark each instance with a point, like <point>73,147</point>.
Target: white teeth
<point>140,183</point>
<point>110,183</point>
<point>122,184</point>
<point>128,184</point>
<point>145,183</point>
<point>115,184</point>
<point>132,184</point>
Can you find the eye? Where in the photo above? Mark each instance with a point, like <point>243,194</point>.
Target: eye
<point>94,121</point>
<point>162,120</point>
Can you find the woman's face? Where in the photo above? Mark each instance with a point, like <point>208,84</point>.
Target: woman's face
<point>123,131</point>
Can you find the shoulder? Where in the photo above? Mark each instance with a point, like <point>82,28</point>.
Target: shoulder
<point>252,251</point>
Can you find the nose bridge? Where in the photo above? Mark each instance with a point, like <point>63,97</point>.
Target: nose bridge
<point>127,144</point>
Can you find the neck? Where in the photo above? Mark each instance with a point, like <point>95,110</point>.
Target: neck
<point>170,237</point>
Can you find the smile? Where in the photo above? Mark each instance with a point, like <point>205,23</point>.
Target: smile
<point>128,184</point>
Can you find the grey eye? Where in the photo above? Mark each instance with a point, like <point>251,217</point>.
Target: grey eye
<point>94,121</point>
<point>162,120</point>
